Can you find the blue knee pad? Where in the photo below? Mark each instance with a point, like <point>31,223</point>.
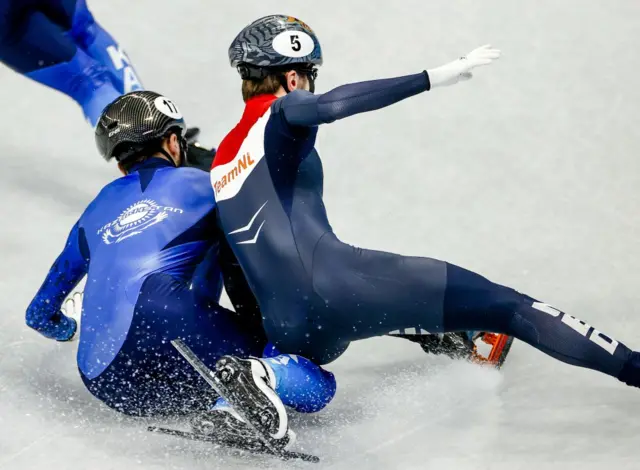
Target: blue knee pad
<point>300,384</point>
<point>100,45</point>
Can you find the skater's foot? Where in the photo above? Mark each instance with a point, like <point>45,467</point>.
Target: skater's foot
<point>475,346</point>
<point>248,386</point>
<point>453,345</point>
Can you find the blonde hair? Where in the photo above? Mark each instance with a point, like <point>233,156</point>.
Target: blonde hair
<point>267,86</point>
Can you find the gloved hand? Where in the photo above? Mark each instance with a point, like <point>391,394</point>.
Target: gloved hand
<point>460,70</point>
<point>59,327</point>
<point>63,325</point>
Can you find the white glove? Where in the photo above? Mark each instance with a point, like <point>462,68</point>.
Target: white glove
<point>460,70</point>
<point>72,308</point>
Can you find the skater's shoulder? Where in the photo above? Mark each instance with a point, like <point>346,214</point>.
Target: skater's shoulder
<point>294,98</point>
<point>191,180</point>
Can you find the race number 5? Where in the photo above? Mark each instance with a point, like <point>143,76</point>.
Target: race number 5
<point>295,43</point>
<point>606,343</point>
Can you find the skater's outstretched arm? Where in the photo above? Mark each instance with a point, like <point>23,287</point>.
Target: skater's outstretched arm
<point>44,314</point>
<point>302,108</point>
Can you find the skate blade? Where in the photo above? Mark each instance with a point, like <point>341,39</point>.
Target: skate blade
<point>252,446</point>
<point>211,378</point>
<point>499,349</point>
<point>250,420</point>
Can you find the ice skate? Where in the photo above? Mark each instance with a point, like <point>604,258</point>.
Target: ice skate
<point>475,346</point>
<point>248,386</point>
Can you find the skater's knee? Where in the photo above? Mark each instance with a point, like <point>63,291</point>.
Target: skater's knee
<point>319,398</point>
<point>473,302</point>
<point>301,384</point>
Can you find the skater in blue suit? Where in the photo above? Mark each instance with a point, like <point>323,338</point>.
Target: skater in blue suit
<point>58,43</point>
<point>155,261</point>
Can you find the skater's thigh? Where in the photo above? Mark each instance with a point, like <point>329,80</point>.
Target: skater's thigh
<point>474,302</point>
<point>320,347</point>
<point>376,283</point>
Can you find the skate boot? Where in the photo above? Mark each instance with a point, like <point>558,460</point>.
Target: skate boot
<point>197,155</point>
<point>248,386</point>
<point>474,346</point>
<point>453,345</point>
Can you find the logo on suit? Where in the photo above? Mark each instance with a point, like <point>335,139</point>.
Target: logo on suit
<point>135,219</point>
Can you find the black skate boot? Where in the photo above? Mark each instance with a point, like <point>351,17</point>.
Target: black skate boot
<point>453,345</point>
<point>248,386</point>
<point>197,155</point>
<point>475,346</point>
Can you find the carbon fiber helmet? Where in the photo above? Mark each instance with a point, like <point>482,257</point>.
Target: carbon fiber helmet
<point>275,41</point>
<point>137,122</point>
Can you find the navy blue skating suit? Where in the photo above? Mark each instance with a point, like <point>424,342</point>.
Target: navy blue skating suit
<point>317,293</point>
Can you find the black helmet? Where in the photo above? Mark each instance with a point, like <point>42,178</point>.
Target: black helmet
<point>275,42</point>
<point>137,122</point>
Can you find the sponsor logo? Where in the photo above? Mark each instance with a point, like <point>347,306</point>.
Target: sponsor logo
<point>227,179</point>
<point>247,228</point>
<point>134,220</point>
<point>238,166</point>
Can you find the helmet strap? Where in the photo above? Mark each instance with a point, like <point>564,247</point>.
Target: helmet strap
<point>183,151</point>
<point>284,82</point>
<point>166,154</point>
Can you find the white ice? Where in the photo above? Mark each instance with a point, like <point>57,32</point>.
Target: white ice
<point>528,174</point>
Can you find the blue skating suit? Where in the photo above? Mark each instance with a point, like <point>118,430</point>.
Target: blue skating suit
<point>58,43</point>
<point>317,293</point>
<point>149,246</point>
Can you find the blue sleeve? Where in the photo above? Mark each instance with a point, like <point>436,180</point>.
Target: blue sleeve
<point>43,314</point>
<point>305,109</point>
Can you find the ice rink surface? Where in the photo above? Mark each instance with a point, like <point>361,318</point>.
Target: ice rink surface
<point>528,174</point>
